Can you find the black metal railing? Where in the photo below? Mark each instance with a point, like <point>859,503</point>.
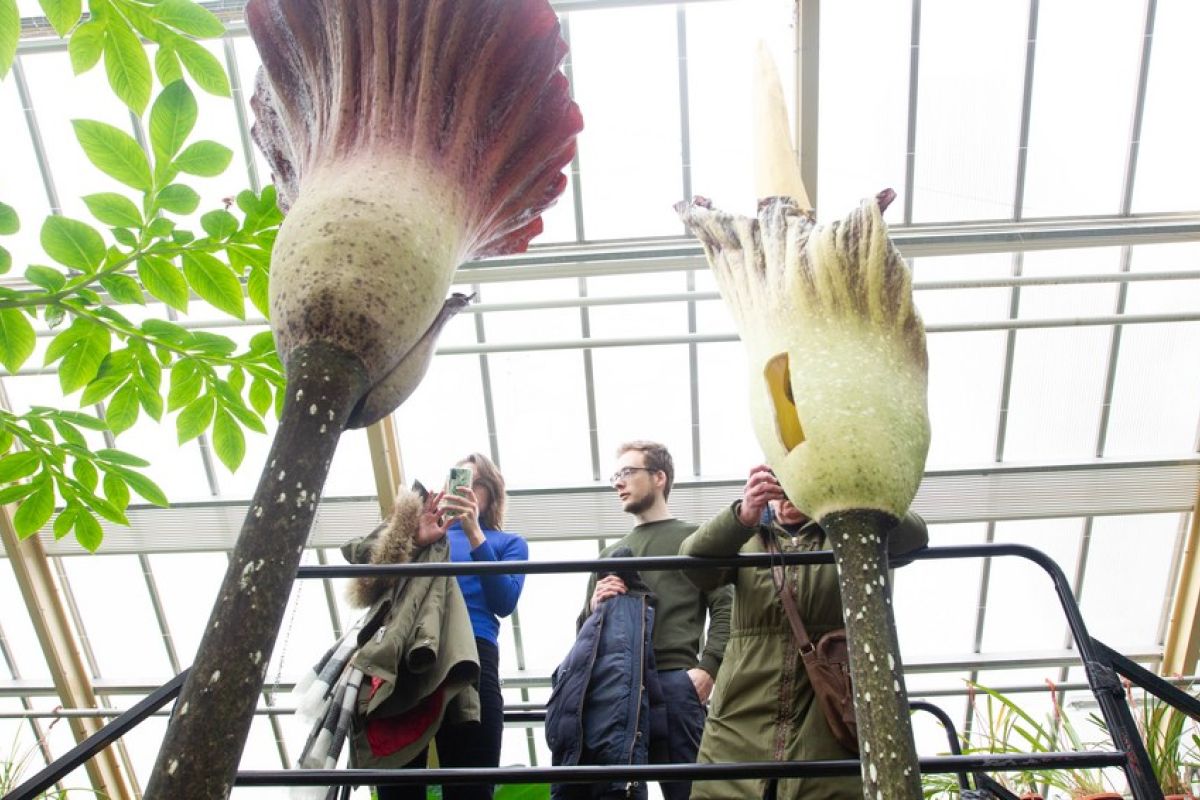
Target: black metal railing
<point>1102,665</point>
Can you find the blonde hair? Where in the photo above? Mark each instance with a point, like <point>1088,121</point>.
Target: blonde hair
<point>487,473</point>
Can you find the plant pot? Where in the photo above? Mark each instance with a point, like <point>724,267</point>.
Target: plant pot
<point>1031,796</point>
<point>1186,796</point>
<point>1101,796</point>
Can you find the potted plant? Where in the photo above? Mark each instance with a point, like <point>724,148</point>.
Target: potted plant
<point>1173,752</point>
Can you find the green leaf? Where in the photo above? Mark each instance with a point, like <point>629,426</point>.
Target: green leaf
<point>163,281</point>
<point>72,243</point>
<point>166,65</point>
<point>88,532</point>
<point>65,520</point>
<point>125,237</point>
<point>114,152</point>
<point>186,383</point>
<point>182,237</point>
<point>128,67</point>
<point>10,223</point>
<point>245,416</point>
<point>18,491</point>
<point>48,278</point>
<point>70,433</point>
<point>114,209</point>
<point>35,511</point>
<point>214,282</point>
<point>160,227</point>
<point>203,66</point>
<point>195,418</point>
<point>219,224</point>
<point>83,420</point>
<point>256,287</point>
<point>100,388</point>
<point>150,368</point>
<point>10,34</point>
<point>122,411</point>
<point>150,399</point>
<point>85,472</point>
<point>121,458</point>
<point>204,158</point>
<point>167,331</point>
<point>178,199</point>
<point>123,289</point>
<point>145,487</point>
<point>6,441</point>
<point>17,339</point>
<point>116,491</point>
<point>228,440</point>
<point>188,18</point>
<point>213,343</point>
<point>63,14</point>
<point>5,260</point>
<point>172,118</point>
<point>86,46</point>
<point>15,466</point>
<point>82,347</point>
<point>260,395</point>
<point>236,379</point>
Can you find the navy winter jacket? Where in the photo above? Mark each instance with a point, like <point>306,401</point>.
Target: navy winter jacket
<point>606,705</point>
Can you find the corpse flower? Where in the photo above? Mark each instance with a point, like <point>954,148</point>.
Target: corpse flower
<point>405,137</point>
<point>838,384</point>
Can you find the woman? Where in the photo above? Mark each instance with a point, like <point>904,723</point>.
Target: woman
<point>472,522</point>
<point>763,706</point>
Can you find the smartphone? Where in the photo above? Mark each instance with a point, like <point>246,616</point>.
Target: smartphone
<point>460,478</point>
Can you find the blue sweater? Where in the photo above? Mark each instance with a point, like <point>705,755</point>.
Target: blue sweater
<point>488,597</point>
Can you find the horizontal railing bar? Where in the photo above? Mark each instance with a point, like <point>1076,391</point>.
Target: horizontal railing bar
<point>665,772</point>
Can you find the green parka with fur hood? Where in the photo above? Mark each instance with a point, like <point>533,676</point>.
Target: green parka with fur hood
<point>420,662</point>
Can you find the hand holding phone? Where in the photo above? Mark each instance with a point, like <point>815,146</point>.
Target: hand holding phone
<point>460,478</point>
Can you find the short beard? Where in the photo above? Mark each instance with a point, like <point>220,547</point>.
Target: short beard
<point>636,507</point>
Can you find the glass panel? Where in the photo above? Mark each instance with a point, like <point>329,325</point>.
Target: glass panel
<point>119,625</point>
<point>541,418</point>
<point>863,117</point>
<point>306,631</point>
<point>558,221</point>
<point>631,137</point>
<point>187,587</point>
<point>638,319</point>
<point>248,64</point>
<point>59,97</point>
<point>443,420</point>
<point>640,394</point>
<point>549,607</point>
<point>18,630</point>
<point>936,602</point>
<point>1126,587</point>
<point>1023,612</point>
<point>721,42</point>
<point>971,75</point>
<point>1168,144</point>
<point>728,445</point>
<point>1083,94</point>
<point>965,374</point>
<point>21,181</point>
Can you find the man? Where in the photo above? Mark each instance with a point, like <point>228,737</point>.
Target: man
<point>643,479</point>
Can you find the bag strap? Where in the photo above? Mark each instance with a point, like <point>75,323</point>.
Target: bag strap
<point>784,588</point>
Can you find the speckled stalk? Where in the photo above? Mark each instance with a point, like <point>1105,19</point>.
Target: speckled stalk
<point>203,745</point>
<point>886,746</point>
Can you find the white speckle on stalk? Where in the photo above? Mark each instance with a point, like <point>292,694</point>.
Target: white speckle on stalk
<point>323,427</point>
<point>867,696</point>
<point>891,662</point>
<point>881,580</point>
<point>312,410</point>
<point>331,415</point>
<point>258,511</point>
<point>896,686</point>
<point>858,615</point>
<point>272,464</point>
<point>216,676</point>
<point>908,770</point>
<point>868,588</point>
<point>282,474</point>
<point>299,395</point>
<point>299,484</point>
<point>874,772</point>
<point>257,657</point>
<point>249,570</point>
<point>282,497</point>
<point>183,710</point>
<point>174,765</point>
<point>325,378</point>
<point>866,746</point>
<point>866,647</point>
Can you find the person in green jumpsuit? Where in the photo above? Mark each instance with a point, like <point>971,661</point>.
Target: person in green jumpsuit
<point>763,707</point>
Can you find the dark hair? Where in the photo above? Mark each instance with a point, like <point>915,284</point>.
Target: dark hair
<point>488,474</point>
<point>656,457</point>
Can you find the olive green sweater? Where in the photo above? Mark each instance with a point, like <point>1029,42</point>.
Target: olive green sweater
<point>680,608</point>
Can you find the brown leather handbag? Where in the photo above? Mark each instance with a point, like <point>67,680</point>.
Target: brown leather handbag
<point>827,662</point>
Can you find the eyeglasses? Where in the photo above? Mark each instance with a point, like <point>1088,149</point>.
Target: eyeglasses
<point>625,473</point>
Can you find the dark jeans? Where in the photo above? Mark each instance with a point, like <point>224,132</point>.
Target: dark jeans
<point>470,744</point>
<point>685,724</point>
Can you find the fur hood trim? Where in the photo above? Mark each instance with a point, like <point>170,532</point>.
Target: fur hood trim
<point>394,545</point>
